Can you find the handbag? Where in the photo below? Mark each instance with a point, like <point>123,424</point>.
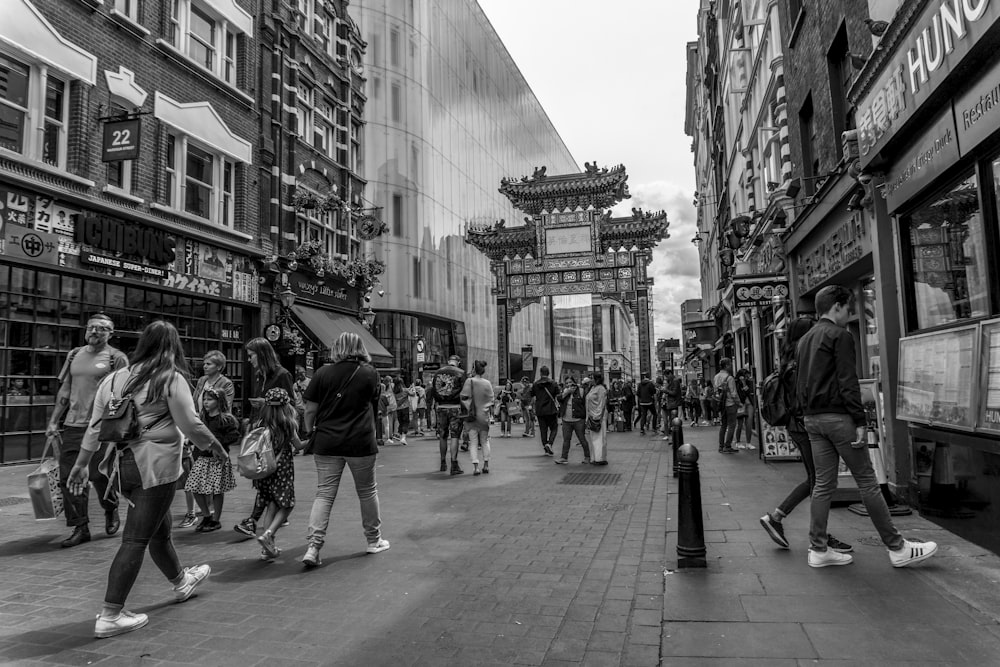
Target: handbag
<point>120,421</point>
<point>471,417</point>
<point>594,424</point>
<point>43,487</point>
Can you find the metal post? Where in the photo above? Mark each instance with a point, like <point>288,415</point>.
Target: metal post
<point>676,439</point>
<point>552,337</point>
<point>690,523</point>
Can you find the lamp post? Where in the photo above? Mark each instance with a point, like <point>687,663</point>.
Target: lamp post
<point>368,317</point>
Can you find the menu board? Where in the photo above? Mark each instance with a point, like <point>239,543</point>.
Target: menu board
<point>989,410</point>
<point>936,379</point>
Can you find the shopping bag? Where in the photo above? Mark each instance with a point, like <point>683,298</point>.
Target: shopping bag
<point>43,487</point>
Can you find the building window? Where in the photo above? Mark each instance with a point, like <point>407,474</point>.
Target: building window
<point>810,147</point>
<point>416,278</point>
<point>841,76</point>
<point>396,102</point>
<point>129,8</point>
<point>199,181</point>
<point>945,240</point>
<point>304,111</point>
<point>205,37</point>
<point>394,48</point>
<point>24,87</point>
<point>397,215</point>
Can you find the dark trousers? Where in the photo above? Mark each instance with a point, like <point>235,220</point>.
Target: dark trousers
<point>579,427</point>
<point>76,507</point>
<point>804,489</point>
<point>146,526</point>
<point>727,427</point>
<point>645,410</point>
<point>547,425</point>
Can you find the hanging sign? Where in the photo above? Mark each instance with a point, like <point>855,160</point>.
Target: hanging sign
<point>758,291</point>
<point>121,140</point>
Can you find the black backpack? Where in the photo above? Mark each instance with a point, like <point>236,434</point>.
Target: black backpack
<point>775,406</point>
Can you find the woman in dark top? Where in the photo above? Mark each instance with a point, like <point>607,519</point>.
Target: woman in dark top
<point>341,408</point>
<point>268,374</point>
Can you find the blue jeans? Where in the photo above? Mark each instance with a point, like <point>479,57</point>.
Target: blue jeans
<point>76,507</point>
<point>830,436</point>
<point>329,470</point>
<point>580,428</point>
<point>727,426</point>
<point>146,525</point>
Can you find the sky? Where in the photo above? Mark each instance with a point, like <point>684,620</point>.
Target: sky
<point>611,77</point>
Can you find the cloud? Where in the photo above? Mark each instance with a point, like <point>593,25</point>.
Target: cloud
<point>674,268</point>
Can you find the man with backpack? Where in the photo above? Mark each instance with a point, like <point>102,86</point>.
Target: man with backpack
<point>646,395</point>
<point>80,376</point>
<point>725,390</point>
<point>446,391</point>
<point>544,391</point>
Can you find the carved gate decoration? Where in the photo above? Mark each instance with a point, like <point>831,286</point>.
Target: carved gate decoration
<point>570,244</point>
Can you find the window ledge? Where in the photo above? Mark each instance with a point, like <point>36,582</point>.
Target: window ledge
<point>118,192</point>
<point>208,75</point>
<point>128,23</point>
<point>46,167</point>
<point>797,28</point>
<point>171,211</point>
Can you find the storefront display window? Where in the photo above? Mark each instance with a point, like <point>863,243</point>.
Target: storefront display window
<point>947,255</point>
<point>870,335</point>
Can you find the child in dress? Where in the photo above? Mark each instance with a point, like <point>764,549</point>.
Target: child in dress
<point>210,479</point>
<point>277,491</point>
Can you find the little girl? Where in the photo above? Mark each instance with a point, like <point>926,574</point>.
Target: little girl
<point>211,478</point>
<point>277,491</point>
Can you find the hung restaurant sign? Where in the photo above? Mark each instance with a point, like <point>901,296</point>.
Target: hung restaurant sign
<point>337,294</point>
<point>123,238</point>
<point>940,39</point>
<point>847,242</point>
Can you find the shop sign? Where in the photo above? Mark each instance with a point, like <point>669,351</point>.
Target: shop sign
<point>52,216</point>
<point>40,247</point>
<point>338,295</point>
<point>121,140</point>
<point>13,206</point>
<point>120,264</point>
<point>937,42</point>
<point>528,358</point>
<point>758,291</point>
<point>119,237</point>
<point>206,269</point>
<point>928,157</point>
<point>843,244</point>
<point>977,111</point>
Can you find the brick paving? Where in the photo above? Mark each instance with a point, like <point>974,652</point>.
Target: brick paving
<point>512,568</point>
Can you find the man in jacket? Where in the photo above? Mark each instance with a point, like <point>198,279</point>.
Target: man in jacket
<point>527,407</point>
<point>544,391</point>
<point>646,395</point>
<point>445,391</point>
<point>628,403</point>
<point>671,399</point>
<point>573,410</point>
<point>830,398</point>
<point>729,400</point>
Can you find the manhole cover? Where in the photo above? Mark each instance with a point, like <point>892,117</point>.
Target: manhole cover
<point>592,478</point>
<point>4,502</point>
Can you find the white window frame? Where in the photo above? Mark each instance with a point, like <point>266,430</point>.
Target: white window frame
<point>305,108</point>
<point>34,115</point>
<point>127,8</point>
<point>222,203</point>
<point>224,51</point>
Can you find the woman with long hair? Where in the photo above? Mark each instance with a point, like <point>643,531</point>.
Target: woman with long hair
<point>797,432</point>
<point>504,400</point>
<point>597,408</point>
<point>478,394</point>
<point>341,407</point>
<point>146,469</point>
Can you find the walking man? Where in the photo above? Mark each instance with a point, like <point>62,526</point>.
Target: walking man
<point>544,391</point>
<point>725,389</point>
<point>446,391</point>
<point>83,371</point>
<point>646,393</point>
<point>527,408</point>
<point>830,397</point>
<point>573,411</point>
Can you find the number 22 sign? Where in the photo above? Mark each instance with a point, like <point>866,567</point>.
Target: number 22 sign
<point>121,140</point>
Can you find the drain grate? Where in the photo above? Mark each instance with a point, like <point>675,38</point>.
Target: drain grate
<point>592,478</point>
<point>4,502</point>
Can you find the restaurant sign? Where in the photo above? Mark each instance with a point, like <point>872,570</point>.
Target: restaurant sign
<point>758,290</point>
<point>842,244</point>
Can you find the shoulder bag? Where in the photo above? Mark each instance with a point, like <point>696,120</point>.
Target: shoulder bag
<point>308,449</point>
<point>120,421</point>
<point>471,417</point>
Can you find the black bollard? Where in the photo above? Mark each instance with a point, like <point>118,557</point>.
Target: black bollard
<point>690,524</point>
<point>676,438</point>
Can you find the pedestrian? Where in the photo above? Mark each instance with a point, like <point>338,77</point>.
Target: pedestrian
<point>83,371</point>
<point>446,391</point>
<point>145,469</point>
<point>299,389</point>
<point>402,398</point>
<point>340,416</point>
<point>646,396</point>
<point>597,410</point>
<point>544,391</point>
<point>573,411</point>
<point>694,402</point>
<point>628,391</point>
<point>477,396</point>
<point>671,399</point>
<point>725,390</point>
<point>504,400</point>
<point>268,374</point>
<point>527,407</point>
<point>797,432</point>
<point>418,406</point>
<point>745,410</point>
<point>382,418</point>
<point>835,419</point>
<point>210,477</point>
<point>277,491</point>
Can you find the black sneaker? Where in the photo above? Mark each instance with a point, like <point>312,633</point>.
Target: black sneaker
<point>246,527</point>
<point>775,530</point>
<point>548,450</point>
<point>838,546</point>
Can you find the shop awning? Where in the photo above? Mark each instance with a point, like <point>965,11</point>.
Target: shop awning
<point>327,327</point>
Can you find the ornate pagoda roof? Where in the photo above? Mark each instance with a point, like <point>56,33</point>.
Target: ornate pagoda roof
<point>498,241</point>
<point>596,187</point>
<point>643,229</point>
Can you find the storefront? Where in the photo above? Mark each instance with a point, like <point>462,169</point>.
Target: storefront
<point>61,262</point>
<point>932,133</point>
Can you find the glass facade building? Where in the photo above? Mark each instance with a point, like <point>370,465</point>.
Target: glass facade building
<point>448,115</point>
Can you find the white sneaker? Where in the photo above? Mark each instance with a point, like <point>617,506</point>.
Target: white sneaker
<point>192,577</point>
<point>828,557</point>
<point>377,547</point>
<point>311,559</point>
<point>912,553</point>
<point>124,622</point>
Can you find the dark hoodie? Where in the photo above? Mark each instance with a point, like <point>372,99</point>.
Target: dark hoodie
<point>646,392</point>
<point>545,391</point>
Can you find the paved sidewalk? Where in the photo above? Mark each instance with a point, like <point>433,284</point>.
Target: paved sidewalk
<point>516,567</point>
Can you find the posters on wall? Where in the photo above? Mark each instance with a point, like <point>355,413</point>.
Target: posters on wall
<point>777,444</point>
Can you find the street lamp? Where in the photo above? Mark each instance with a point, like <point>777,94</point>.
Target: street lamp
<point>287,298</point>
<point>368,317</point>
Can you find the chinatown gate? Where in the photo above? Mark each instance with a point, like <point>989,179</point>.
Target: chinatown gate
<point>570,244</point>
